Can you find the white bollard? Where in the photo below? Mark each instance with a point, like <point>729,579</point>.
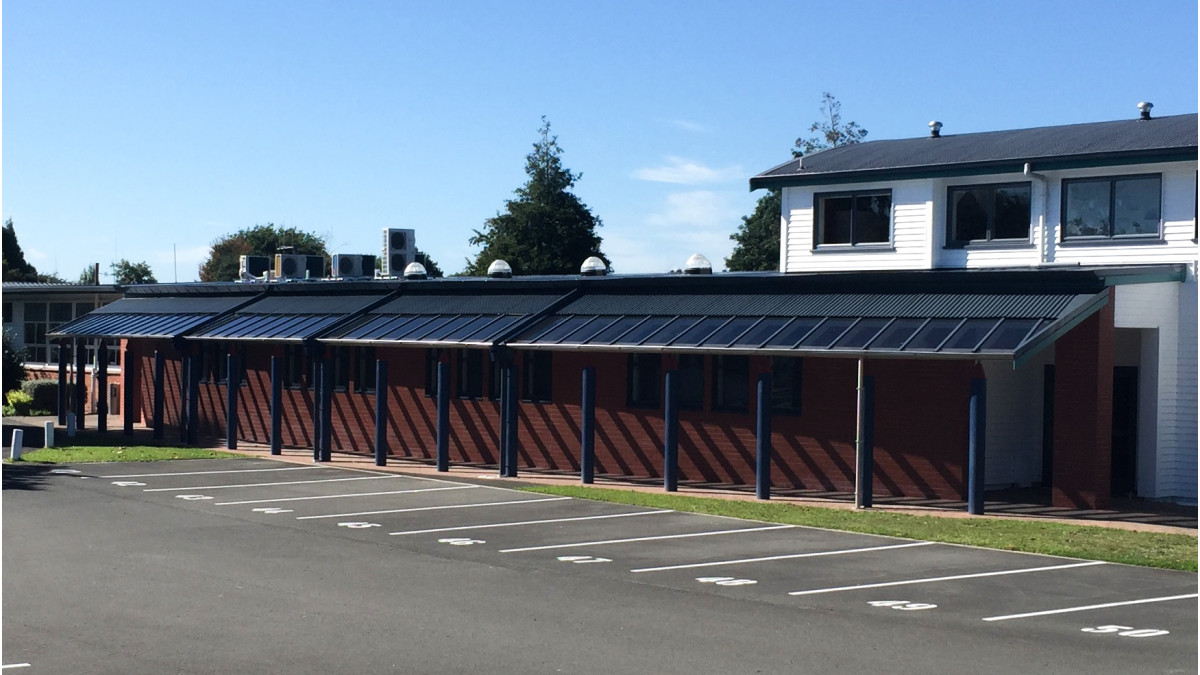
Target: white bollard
<point>70,425</point>
<point>18,438</point>
<point>49,435</point>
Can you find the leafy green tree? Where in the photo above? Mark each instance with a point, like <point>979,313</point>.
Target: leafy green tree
<point>222,262</point>
<point>89,276</point>
<point>127,273</point>
<point>757,238</point>
<point>12,366</point>
<point>51,278</point>
<point>546,229</point>
<point>831,133</point>
<point>15,266</point>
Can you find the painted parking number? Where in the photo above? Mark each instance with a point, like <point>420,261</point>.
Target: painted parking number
<point>358,525</point>
<point>582,559</point>
<point>726,581</point>
<point>1127,631</point>
<point>127,483</point>
<point>461,541</point>
<point>193,498</point>
<point>271,510</point>
<point>902,605</point>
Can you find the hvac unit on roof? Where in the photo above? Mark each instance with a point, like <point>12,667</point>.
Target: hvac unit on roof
<point>299,266</point>
<point>352,265</point>
<point>399,249</point>
<point>253,265</point>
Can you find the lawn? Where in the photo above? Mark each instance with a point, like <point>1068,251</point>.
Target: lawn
<point>1148,549</point>
<point>79,454</point>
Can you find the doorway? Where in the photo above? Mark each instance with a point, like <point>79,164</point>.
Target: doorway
<point>1124,431</point>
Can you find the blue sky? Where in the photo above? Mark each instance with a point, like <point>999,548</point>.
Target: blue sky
<point>147,129</point>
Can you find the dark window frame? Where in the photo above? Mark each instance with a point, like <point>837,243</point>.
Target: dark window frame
<point>470,373</point>
<point>644,370</point>
<point>339,360</point>
<point>364,370</point>
<point>432,358</point>
<point>1112,181</point>
<point>495,385</point>
<point>954,241</point>
<point>691,380</point>
<point>295,367</point>
<point>725,383</point>
<point>786,397</point>
<point>538,377</point>
<point>819,212</point>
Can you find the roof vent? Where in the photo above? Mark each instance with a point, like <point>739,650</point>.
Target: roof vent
<point>415,272</point>
<point>1145,107</point>
<point>500,270</point>
<point>593,267</point>
<point>935,129</point>
<point>697,264</point>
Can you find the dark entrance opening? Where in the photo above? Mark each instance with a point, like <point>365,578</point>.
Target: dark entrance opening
<point>1048,426</point>
<point>1124,431</point>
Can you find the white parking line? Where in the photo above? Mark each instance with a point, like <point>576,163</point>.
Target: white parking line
<point>208,473</point>
<point>250,485</point>
<point>816,554</point>
<point>529,522</point>
<point>435,508</point>
<point>356,494</point>
<point>1085,608</point>
<point>635,539</point>
<point>15,665</point>
<point>949,578</point>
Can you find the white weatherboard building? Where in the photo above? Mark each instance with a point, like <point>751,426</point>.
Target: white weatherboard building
<point>1118,197</point>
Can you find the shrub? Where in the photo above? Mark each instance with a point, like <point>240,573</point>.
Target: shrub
<point>20,401</point>
<point>44,393</point>
<point>13,367</point>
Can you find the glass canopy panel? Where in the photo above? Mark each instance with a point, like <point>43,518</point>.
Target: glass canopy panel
<point>595,327</point>
<point>895,335</point>
<point>861,334</point>
<point>472,326</point>
<point>789,336</point>
<point>730,331</point>
<point>696,334</point>
<point>367,327</point>
<point>970,334</point>
<point>563,328</point>
<point>643,330</point>
<point>429,328</point>
<point>759,334</point>
<point>406,325</point>
<point>1009,335</point>
<point>829,331</point>
<point>439,334</point>
<point>672,330</point>
<point>614,331</point>
<point>933,334</point>
<point>490,331</point>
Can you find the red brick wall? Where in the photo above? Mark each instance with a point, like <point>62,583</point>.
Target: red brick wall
<point>921,422</point>
<point>1083,367</point>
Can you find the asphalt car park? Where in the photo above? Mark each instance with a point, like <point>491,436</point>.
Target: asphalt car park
<point>563,582</point>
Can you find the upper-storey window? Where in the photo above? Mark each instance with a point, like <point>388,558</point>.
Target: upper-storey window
<point>854,218</point>
<point>1112,207</point>
<point>981,213</point>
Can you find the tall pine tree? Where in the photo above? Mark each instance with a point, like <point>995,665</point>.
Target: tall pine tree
<point>15,266</point>
<point>757,238</point>
<point>546,229</point>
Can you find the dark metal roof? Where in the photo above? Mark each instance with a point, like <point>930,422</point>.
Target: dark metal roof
<point>925,325</point>
<point>288,318</point>
<point>147,317</point>
<point>490,304</point>
<point>1097,143</point>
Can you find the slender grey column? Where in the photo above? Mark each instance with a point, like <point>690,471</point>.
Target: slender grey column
<point>381,400</point>
<point>587,426</point>
<point>762,469</point>
<point>978,433</point>
<point>102,386</point>
<point>512,447</point>
<point>64,356</point>
<point>670,433</point>
<point>129,374</point>
<point>231,399</point>
<point>276,405</point>
<point>443,416</point>
<point>80,384</point>
<point>326,410</point>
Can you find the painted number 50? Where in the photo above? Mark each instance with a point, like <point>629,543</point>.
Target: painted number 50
<point>1127,631</point>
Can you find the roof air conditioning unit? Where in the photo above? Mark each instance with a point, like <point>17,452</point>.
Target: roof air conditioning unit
<point>299,266</point>
<point>351,265</point>
<point>253,265</point>
<point>399,249</point>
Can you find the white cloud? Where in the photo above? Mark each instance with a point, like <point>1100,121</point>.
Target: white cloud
<point>699,209</point>
<point>683,171</point>
<point>685,223</point>
<point>688,125</point>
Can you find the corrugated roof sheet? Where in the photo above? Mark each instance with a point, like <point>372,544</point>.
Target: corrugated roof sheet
<point>1121,137</point>
<point>148,317</point>
<point>491,303</point>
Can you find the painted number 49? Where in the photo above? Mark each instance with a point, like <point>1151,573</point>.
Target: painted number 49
<point>902,605</point>
<point>1127,631</point>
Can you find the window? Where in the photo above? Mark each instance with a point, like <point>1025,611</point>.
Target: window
<point>731,383</point>
<point>641,385</point>
<point>988,213</point>
<point>432,356</point>
<point>470,373</point>
<point>496,380</point>
<point>691,382</point>
<point>538,376</point>
<point>364,373</point>
<point>8,313</point>
<point>785,384</point>
<point>340,362</point>
<point>854,218</point>
<point>1117,207</point>
<point>295,364</point>
<point>214,362</point>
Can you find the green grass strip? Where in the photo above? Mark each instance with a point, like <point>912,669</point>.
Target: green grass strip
<point>80,454</point>
<point>1147,549</point>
